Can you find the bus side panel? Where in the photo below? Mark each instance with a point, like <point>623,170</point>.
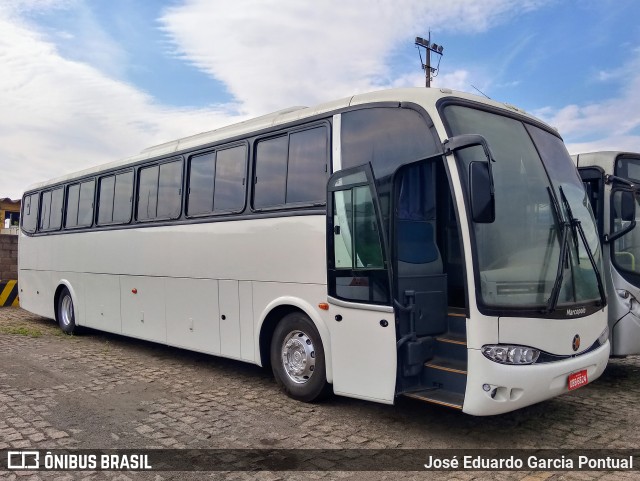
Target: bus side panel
<point>102,302</point>
<point>247,340</point>
<point>364,354</point>
<point>229,300</point>
<point>193,317</point>
<point>626,336</point>
<point>143,307</point>
<point>35,292</point>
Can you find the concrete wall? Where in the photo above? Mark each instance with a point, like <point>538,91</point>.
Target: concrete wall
<point>8,257</point>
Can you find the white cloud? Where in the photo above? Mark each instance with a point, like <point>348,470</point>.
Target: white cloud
<point>609,124</point>
<point>60,116</point>
<point>274,53</point>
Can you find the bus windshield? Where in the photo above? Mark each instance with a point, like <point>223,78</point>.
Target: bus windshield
<point>538,194</point>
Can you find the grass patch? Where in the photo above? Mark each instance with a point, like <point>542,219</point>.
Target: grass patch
<point>21,331</point>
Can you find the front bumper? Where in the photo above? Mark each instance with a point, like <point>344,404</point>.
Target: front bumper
<point>520,386</point>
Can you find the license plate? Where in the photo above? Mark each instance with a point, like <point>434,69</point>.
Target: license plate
<point>578,379</point>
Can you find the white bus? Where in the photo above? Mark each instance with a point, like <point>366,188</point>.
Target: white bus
<point>414,242</point>
<point>612,179</point>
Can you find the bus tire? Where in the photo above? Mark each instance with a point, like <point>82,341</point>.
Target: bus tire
<point>66,312</point>
<point>297,359</point>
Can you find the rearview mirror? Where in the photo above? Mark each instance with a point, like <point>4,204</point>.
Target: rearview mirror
<point>481,193</point>
<point>623,213</point>
<point>627,206</point>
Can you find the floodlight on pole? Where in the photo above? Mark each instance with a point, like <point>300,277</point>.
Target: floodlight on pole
<point>429,48</point>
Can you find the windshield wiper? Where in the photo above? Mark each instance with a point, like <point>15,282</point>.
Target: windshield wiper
<point>576,225</point>
<point>564,242</point>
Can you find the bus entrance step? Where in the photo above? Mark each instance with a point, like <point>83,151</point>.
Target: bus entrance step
<point>439,396</point>
<point>449,365</point>
<point>452,338</point>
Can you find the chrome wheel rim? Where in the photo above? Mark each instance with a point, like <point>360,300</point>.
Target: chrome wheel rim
<point>298,357</point>
<point>66,310</point>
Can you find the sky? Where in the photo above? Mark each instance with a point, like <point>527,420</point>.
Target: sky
<point>85,82</point>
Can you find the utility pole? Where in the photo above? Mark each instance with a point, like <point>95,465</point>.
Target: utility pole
<point>426,66</point>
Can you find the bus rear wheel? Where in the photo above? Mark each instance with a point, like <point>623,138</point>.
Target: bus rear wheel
<point>66,312</point>
<point>297,358</point>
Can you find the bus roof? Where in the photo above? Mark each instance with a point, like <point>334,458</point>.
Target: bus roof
<point>419,95</point>
<point>604,159</point>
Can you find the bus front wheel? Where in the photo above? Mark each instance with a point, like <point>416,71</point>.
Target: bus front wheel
<point>297,358</point>
<point>66,312</point>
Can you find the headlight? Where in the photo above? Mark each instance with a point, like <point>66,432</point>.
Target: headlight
<point>604,336</point>
<point>506,354</point>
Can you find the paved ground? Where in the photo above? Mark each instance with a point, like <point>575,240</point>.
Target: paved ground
<point>104,391</point>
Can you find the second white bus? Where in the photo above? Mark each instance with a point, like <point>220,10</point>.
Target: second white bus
<point>612,179</point>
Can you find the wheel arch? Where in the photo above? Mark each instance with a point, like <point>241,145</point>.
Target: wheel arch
<point>62,283</point>
<point>274,312</point>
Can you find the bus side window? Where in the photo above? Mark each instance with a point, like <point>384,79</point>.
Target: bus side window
<point>30,213</point>
<point>292,169</point>
<point>80,204</point>
<point>229,182</point>
<point>85,204</point>
<point>115,198</point>
<point>51,218</point>
<point>73,196</point>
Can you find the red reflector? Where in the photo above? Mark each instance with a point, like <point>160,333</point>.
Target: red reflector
<point>134,290</point>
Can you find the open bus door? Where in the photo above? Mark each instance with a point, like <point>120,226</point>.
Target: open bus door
<point>363,336</point>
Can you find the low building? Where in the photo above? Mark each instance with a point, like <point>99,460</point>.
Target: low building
<point>9,215</point>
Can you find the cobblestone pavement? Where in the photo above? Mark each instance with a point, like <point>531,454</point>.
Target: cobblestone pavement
<point>98,390</point>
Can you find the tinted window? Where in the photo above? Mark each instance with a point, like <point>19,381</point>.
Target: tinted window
<point>73,194</point>
<point>148,193</point>
<point>51,218</point>
<point>55,221</point>
<point>30,213</point>
<point>115,198</point>
<point>85,208</point>
<point>307,168</point>
<point>170,190</point>
<point>79,205</point>
<point>160,191</point>
<point>271,172</point>
<point>46,209</point>
<point>386,137</point>
<point>229,180</point>
<point>628,167</point>
<point>123,197</point>
<point>292,169</point>
<point>201,171</point>
<point>105,208</point>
